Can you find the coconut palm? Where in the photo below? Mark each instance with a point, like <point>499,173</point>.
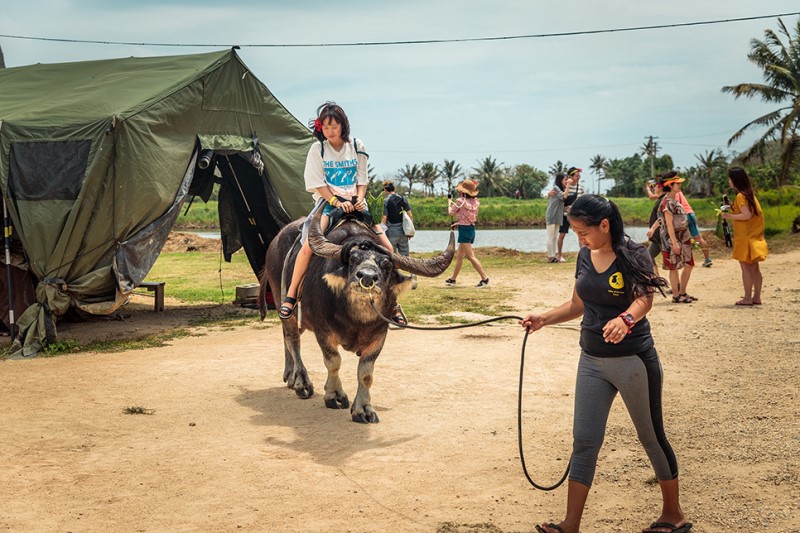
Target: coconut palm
<point>780,64</point>
<point>451,173</point>
<point>428,175</point>
<point>650,149</point>
<point>709,162</point>
<point>598,168</point>
<point>409,173</point>
<point>491,177</point>
<point>558,168</point>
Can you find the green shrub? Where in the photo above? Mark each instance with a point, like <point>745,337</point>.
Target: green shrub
<point>785,196</point>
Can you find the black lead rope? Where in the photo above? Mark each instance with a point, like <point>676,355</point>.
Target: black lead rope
<point>519,395</point>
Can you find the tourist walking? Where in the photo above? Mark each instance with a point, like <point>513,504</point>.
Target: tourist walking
<point>676,241</point>
<point>465,209</point>
<point>613,292</point>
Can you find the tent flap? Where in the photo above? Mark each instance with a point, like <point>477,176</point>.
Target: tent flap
<point>136,256</point>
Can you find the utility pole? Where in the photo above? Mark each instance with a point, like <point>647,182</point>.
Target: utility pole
<point>652,148</point>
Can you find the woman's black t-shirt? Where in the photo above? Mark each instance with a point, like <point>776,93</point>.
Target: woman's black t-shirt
<point>603,295</point>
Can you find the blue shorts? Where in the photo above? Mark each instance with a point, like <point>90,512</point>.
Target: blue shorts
<point>693,230</point>
<point>466,234</point>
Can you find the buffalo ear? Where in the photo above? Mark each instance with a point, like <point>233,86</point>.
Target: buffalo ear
<point>335,281</point>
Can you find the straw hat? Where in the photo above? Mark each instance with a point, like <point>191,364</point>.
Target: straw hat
<point>468,187</point>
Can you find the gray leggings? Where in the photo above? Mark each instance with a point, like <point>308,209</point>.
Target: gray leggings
<point>638,378</point>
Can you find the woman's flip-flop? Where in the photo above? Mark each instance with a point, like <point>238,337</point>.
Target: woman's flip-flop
<point>549,526</point>
<point>742,302</point>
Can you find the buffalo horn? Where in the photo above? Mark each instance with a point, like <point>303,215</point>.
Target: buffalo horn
<point>424,267</point>
<point>427,267</point>
<point>317,241</point>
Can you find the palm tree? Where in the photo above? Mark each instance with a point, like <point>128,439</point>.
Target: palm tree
<point>558,168</point>
<point>781,72</point>
<point>598,167</point>
<point>451,172</point>
<point>409,173</point>
<point>491,177</point>
<point>650,149</point>
<point>428,174</point>
<point>709,162</point>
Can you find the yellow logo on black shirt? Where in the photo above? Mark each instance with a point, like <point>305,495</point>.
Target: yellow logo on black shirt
<point>616,281</point>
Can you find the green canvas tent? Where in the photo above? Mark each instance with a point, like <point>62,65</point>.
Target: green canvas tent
<point>97,158</point>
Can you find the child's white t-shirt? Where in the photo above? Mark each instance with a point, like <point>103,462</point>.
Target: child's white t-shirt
<point>342,171</point>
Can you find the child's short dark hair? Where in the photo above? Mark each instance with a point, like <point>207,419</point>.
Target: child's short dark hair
<point>329,110</point>
<point>388,186</point>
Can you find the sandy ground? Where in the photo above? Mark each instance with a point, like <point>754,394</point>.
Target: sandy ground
<point>228,448</point>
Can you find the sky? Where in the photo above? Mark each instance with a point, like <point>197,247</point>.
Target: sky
<point>534,100</point>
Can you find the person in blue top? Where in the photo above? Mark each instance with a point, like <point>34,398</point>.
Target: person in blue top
<point>613,292</point>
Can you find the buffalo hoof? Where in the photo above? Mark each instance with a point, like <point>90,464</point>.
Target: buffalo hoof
<point>367,417</point>
<point>340,401</point>
<point>304,392</point>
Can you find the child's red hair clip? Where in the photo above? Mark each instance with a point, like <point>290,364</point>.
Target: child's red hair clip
<point>317,125</point>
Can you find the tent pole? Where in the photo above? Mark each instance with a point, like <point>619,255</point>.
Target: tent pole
<point>9,286</point>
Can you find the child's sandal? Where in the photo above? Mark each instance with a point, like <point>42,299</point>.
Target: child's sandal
<point>285,312</point>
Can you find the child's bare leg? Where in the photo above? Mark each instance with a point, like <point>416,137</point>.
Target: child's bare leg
<point>298,273</point>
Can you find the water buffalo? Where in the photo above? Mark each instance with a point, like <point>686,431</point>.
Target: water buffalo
<point>348,269</point>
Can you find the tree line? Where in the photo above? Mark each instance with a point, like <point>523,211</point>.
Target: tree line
<point>771,162</point>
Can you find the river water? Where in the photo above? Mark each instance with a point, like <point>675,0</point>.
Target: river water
<point>521,239</point>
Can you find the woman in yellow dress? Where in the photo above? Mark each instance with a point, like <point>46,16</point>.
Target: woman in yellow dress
<point>749,246</point>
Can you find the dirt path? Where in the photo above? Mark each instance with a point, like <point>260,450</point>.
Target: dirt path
<point>229,448</point>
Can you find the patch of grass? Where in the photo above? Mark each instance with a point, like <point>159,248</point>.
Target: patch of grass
<point>116,345</point>
<point>483,527</point>
<point>138,410</point>
<point>197,277</point>
<point>59,347</point>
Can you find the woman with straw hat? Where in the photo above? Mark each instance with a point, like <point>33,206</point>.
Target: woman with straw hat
<point>465,209</point>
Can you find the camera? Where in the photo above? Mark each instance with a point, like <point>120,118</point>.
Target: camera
<point>449,195</point>
<point>651,183</point>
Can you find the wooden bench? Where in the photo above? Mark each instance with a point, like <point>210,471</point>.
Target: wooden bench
<point>158,287</point>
